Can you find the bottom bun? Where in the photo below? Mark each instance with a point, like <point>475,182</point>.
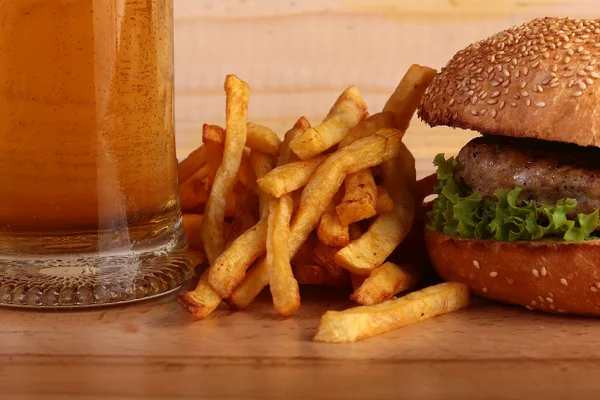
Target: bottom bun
<point>545,275</point>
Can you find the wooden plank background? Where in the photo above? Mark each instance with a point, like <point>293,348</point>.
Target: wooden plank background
<point>298,55</point>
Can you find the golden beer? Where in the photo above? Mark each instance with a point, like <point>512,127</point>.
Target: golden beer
<point>88,186</point>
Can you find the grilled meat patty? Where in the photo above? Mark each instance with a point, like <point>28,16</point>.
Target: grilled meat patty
<point>547,171</point>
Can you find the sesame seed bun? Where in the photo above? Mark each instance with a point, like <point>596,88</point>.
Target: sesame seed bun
<point>538,80</point>
<point>545,275</point>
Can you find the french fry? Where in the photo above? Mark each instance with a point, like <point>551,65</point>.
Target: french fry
<point>192,163</point>
<point>191,227</point>
<point>317,275</point>
<point>196,257</point>
<point>246,175</point>
<point>229,268</point>
<point>244,218</point>
<point>383,120</point>
<point>257,277</point>
<point>331,231</point>
<point>345,114</point>
<point>263,139</point>
<point>283,285</point>
<point>385,203</point>
<point>319,192</point>
<point>360,198</point>
<point>366,321</point>
<point>214,156</point>
<point>236,114</point>
<point>289,177</point>
<point>201,302</point>
<point>407,96</point>
<point>383,283</point>
<point>324,256</point>
<point>194,191</point>
<point>387,232</point>
<point>286,155</point>
<point>258,137</point>
<point>262,164</point>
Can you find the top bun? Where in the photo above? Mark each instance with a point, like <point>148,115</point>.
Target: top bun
<point>538,80</point>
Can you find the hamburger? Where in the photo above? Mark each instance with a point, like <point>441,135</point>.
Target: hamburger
<point>516,214</point>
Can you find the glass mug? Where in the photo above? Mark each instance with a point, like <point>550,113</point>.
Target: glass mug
<point>89,210</point>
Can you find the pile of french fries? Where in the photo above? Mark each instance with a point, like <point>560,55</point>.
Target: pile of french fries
<point>327,205</point>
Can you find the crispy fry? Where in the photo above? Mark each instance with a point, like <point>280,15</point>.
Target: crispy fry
<point>196,257</point>
<point>360,197</point>
<point>387,232</point>
<point>259,137</point>
<point>345,114</point>
<point>425,187</point>
<point>317,275</point>
<point>283,285</point>
<point>286,155</point>
<point>202,301</point>
<point>263,139</point>
<point>194,191</point>
<point>383,283</point>
<point>244,218</point>
<point>262,164</point>
<point>324,256</point>
<point>383,120</point>
<point>229,268</point>
<point>385,203</point>
<point>192,163</point>
<point>289,177</point>
<point>191,227</point>
<point>319,192</point>
<point>255,281</point>
<point>328,178</point>
<point>407,96</point>
<point>236,114</point>
<point>331,230</point>
<point>246,173</point>
<point>366,321</point>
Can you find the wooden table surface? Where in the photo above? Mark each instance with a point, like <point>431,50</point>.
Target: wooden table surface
<point>297,56</point>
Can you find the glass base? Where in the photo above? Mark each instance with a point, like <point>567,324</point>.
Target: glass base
<point>92,279</point>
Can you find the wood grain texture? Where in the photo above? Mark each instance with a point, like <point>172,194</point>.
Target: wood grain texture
<point>153,350</point>
<point>298,56</point>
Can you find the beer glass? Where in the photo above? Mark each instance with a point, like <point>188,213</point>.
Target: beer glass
<point>89,210</point>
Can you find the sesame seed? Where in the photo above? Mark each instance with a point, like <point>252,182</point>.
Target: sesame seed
<point>495,94</point>
<point>534,302</point>
<point>529,308</point>
<point>528,102</point>
<point>594,289</point>
<point>494,113</point>
<point>513,104</point>
<point>474,112</point>
<point>589,68</point>
<point>582,85</point>
<point>564,281</point>
<point>523,84</point>
<point>510,281</point>
<point>540,104</point>
<point>589,81</point>
<point>544,271</point>
<point>524,93</point>
<point>578,93</point>
<point>541,299</point>
<point>492,101</point>
<point>493,274</point>
<point>570,52</point>
<point>595,75</point>
<point>535,64</point>
<point>560,310</point>
<point>550,299</point>
<point>554,84</point>
<point>485,289</point>
<point>535,273</point>
<point>540,88</point>
<point>551,306</point>
<point>581,73</point>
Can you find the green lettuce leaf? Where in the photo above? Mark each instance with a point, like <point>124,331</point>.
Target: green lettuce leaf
<point>472,216</point>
